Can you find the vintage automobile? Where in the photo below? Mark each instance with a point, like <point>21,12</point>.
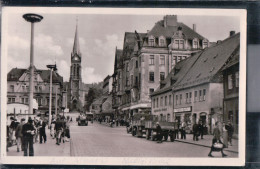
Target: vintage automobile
<point>82,120</point>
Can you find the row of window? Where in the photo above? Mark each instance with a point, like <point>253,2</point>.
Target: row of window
<point>151,76</point>
<point>199,95</point>
<point>162,60</point>
<point>25,100</point>
<point>178,43</point>
<point>164,101</point>
<point>26,88</point>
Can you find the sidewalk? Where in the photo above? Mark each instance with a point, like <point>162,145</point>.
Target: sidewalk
<point>207,142</point>
<point>45,149</point>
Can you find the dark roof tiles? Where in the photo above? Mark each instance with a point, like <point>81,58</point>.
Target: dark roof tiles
<point>168,31</point>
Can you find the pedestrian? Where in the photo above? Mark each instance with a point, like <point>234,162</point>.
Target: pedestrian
<point>201,129</point>
<point>52,133</point>
<point>42,126</point>
<point>116,122</point>
<point>19,136</point>
<point>176,130</point>
<point>28,132</point>
<point>225,135</point>
<point>230,130</point>
<point>217,145</point>
<point>12,128</point>
<point>158,132</point>
<point>195,129</point>
<point>37,126</point>
<point>183,130</point>
<point>58,129</point>
<point>67,133</point>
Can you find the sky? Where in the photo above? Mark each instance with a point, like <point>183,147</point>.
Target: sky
<point>99,35</point>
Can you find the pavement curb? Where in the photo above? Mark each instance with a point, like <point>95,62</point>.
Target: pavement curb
<point>204,146</point>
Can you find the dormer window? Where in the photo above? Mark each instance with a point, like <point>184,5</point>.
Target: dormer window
<point>204,44</point>
<point>195,44</point>
<point>151,41</point>
<point>162,41</point>
<point>179,43</point>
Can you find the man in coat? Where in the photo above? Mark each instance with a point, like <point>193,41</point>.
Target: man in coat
<point>42,132</point>
<point>58,128</point>
<point>158,132</point>
<point>28,132</point>
<point>195,129</point>
<point>201,129</point>
<point>230,130</point>
<point>19,135</point>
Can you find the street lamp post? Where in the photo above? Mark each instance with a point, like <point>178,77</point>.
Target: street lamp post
<point>31,18</point>
<point>50,99</point>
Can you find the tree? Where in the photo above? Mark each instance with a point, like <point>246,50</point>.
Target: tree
<point>93,93</point>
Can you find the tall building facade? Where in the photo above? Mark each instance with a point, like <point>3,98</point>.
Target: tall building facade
<point>76,89</point>
<point>146,60</point>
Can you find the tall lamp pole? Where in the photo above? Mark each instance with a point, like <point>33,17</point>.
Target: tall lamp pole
<point>33,18</point>
<point>51,67</point>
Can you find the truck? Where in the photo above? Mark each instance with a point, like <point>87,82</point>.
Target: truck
<point>145,125</point>
<point>82,120</point>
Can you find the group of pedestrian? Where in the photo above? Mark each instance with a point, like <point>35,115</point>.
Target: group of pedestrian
<point>180,128</point>
<point>59,129</point>
<point>24,135</point>
<point>198,130</point>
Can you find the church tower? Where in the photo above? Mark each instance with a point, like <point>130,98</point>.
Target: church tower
<point>75,82</point>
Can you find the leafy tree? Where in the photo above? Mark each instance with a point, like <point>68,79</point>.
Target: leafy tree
<point>93,93</point>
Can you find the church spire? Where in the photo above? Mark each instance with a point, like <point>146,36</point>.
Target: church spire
<point>76,42</point>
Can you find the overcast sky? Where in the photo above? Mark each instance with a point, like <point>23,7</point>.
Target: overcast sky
<point>99,35</point>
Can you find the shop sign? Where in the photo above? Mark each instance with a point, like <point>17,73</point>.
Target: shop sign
<point>183,109</point>
<point>159,110</point>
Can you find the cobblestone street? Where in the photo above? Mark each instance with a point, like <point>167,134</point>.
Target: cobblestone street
<point>102,140</point>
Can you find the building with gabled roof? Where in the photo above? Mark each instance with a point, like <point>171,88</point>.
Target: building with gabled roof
<point>199,93</point>
<point>18,89</point>
<point>195,87</point>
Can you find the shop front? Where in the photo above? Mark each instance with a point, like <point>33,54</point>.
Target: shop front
<point>184,114</point>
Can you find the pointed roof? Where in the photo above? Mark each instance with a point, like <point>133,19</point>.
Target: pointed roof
<point>75,49</point>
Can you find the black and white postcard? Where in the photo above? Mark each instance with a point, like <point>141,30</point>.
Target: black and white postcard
<point>123,86</point>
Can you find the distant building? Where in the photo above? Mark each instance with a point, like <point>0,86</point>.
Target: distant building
<point>18,90</point>
<point>147,59</point>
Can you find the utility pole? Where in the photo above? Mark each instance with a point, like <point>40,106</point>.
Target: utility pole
<point>31,18</point>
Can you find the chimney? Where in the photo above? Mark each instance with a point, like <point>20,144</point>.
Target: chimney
<point>170,20</point>
<point>232,33</point>
<point>194,27</point>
